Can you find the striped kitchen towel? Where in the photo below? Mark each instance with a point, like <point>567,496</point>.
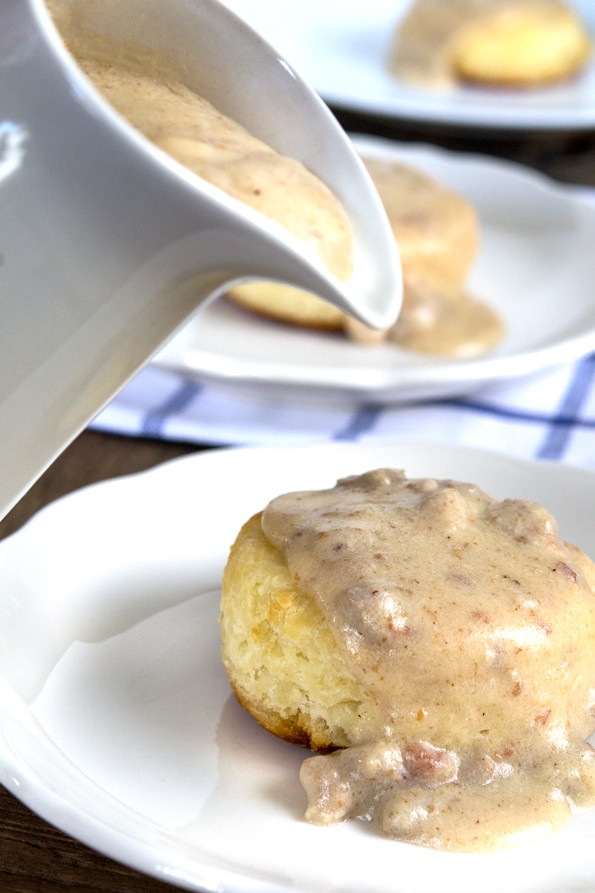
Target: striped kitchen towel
<point>550,415</point>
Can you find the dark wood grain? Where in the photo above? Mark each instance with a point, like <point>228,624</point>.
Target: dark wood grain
<point>565,156</point>
<point>36,858</point>
<point>91,458</point>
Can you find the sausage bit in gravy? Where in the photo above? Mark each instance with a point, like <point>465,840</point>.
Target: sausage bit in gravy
<point>472,625</point>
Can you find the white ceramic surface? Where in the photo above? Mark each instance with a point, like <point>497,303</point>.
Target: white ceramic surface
<point>107,245</point>
<point>536,265</point>
<point>116,719</point>
<point>342,47</point>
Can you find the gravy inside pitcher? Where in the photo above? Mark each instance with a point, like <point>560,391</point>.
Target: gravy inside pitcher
<point>110,246</point>
<point>143,86</point>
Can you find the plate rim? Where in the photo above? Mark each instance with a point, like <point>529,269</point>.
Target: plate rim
<point>425,377</point>
<point>148,856</point>
<point>429,107</point>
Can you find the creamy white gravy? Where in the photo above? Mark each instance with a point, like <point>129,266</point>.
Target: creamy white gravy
<point>146,91</point>
<point>436,321</point>
<point>423,50</point>
<point>471,624</point>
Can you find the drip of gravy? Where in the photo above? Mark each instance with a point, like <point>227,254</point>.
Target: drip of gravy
<point>436,321</point>
<point>471,624</point>
<point>437,232</point>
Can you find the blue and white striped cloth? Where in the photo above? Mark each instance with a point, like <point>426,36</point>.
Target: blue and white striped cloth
<point>550,415</point>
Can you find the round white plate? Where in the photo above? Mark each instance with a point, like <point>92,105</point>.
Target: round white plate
<point>117,722</point>
<point>536,265</point>
<point>341,48</point>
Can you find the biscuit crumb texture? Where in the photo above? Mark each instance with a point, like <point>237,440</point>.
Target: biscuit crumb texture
<point>302,691</point>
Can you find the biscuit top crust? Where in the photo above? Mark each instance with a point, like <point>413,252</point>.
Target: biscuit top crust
<point>432,40</point>
<point>471,624</point>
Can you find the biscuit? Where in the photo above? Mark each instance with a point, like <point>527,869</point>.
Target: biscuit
<point>435,227</point>
<point>287,304</point>
<point>523,47</point>
<point>432,643</point>
<point>282,661</point>
<point>495,43</point>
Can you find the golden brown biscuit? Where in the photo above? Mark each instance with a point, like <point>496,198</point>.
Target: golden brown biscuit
<point>436,640</point>
<point>287,304</point>
<point>523,47</point>
<point>281,659</point>
<point>498,43</point>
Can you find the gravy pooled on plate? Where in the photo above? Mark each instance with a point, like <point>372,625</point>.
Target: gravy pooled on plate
<point>468,624</point>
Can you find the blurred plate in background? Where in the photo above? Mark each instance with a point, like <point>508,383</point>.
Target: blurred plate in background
<point>536,266</point>
<point>341,49</point>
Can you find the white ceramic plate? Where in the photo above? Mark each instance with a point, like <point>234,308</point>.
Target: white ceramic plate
<point>536,264</point>
<point>117,722</point>
<point>341,48</point>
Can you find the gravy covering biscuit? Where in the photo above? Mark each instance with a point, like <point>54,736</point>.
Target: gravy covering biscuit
<point>439,639</point>
<point>436,228</point>
<point>498,43</point>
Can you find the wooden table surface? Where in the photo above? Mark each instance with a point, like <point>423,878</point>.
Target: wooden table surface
<point>37,858</point>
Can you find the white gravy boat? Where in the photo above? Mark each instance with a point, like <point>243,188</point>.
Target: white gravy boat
<point>107,246</point>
